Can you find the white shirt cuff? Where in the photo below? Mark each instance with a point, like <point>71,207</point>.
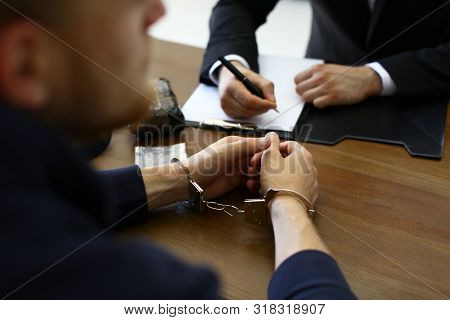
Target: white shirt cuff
<point>389,87</point>
<point>217,64</point>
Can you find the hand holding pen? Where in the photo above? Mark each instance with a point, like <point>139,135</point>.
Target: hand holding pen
<point>244,94</point>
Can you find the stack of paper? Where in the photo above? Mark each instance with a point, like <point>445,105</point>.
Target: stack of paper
<point>205,102</point>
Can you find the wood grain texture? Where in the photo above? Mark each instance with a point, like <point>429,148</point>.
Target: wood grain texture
<point>384,214</point>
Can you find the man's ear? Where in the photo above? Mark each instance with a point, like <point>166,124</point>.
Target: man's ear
<point>23,73</point>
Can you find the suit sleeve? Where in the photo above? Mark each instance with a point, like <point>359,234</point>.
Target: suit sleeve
<point>309,275</point>
<point>127,193</point>
<point>233,25</point>
<point>66,254</point>
<point>424,73</point>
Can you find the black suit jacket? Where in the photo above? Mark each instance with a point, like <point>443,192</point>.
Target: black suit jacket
<point>411,39</point>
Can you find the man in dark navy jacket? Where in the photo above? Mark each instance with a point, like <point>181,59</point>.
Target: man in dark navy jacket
<point>395,48</point>
<point>60,84</point>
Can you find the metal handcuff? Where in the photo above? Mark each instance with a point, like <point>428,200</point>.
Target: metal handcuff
<point>255,210</point>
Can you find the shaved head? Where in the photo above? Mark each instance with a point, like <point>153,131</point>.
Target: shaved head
<point>41,11</point>
<point>81,66</point>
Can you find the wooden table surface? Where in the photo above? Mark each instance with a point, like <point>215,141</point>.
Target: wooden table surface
<point>384,215</point>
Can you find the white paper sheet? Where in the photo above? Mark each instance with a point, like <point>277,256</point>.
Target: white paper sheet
<point>205,102</point>
<point>156,156</point>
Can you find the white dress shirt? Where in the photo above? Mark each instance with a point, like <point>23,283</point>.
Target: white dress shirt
<point>388,84</point>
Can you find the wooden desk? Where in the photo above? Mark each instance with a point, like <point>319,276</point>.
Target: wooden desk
<point>384,214</point>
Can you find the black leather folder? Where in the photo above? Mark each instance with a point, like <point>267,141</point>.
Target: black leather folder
<point>417,125</point>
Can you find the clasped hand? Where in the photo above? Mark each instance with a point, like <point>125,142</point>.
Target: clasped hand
<point>256,163</point>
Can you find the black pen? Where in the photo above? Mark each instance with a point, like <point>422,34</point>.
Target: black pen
<point>247,83</point>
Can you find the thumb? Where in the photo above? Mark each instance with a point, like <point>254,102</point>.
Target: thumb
<point>272,154</point>
<point>274,141</point>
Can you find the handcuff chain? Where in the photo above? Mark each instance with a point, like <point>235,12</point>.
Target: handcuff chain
<point>216,206</point>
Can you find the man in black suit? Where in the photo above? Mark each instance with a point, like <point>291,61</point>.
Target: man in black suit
<point>394,47</point>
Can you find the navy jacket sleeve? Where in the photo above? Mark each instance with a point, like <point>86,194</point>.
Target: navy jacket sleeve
<point>233,25</point>
<point>127,193</point>
<point>309,275</point>
<point>62,252</point>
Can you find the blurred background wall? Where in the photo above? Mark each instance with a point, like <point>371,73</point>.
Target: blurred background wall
<point>286,33</point>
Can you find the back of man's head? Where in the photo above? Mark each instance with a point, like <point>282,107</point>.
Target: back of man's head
<point>79,65</point>
<point>42,11</point>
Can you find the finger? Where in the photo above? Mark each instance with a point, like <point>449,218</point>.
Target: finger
<point>250,146</point>
<point>306,74</point>
<point>253,185</point>
<point>267,87</point>
<point>302,157</point>
<point>315,194</point>
<point>222,185</point>
<point>239,150</point>
<point>273,152</point>
<point>314,198</point>
<point>288,147</point>
<point>252,172</point>
<point>307,161</point>
<point>315,172</point>
<point>255,162</point>
<point>248,100</point>
<point>308,84</point>
<point>228,139</point>
<point>238,110</point>
<point>234,108</point>
<point>312,94</point>
<point>224,141</point>
<point>231,105</point>
<point>274,141</point>
<point>245,111</point>
<point>324,101</point>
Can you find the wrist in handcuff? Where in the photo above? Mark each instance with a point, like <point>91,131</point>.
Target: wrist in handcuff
<point>181,178</point>
<point>272,194</point>
<point>256,210</point>
<point>282,200</point>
